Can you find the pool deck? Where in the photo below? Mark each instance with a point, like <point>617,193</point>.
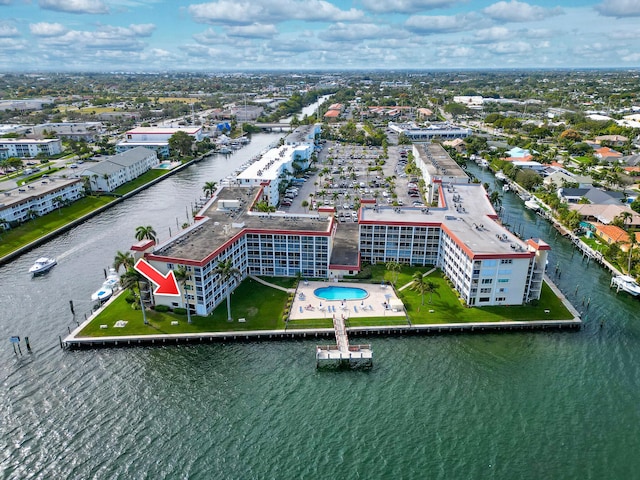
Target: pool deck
<point>306,305</point>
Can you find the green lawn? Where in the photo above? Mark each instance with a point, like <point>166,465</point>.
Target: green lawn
<point>265,314</point>
<point>140,181</point>
<point>447,308</point>
<point>263,307</point>
<point>21,235</point>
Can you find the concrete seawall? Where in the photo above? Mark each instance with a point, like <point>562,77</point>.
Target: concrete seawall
<point>74,342</point>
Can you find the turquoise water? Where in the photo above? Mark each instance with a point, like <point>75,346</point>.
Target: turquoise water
<point>341,293</point>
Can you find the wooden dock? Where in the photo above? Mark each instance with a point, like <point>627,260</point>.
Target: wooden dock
<point>342,353</point>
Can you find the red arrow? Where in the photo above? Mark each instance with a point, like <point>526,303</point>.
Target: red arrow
<point>167,284</point>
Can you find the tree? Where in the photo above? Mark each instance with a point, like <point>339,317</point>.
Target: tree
<point>181,142</point>
<point>495,198</point>
<point>304,205</point>
<point>422,286</point>
<point>145,233</point>
<point>129,280</point>
<point>123,259</point>
<point>182,276</point>
<point>209,188</point>
<point>394,268</point>
<point>227,272</point>
<point>632,243</point>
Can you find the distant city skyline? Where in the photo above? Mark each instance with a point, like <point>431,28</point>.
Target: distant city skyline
<point>231,35</point>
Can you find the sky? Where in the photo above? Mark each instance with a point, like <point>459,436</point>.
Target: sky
<point>233,35</point>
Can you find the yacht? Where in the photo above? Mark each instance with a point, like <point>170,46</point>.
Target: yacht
<point>42,265</point>
<point>626,283</point>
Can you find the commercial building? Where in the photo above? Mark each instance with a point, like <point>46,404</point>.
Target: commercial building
<point>109,174</point>
<point>155,138</point>
<point>443,131</point>
<point>28,147</point>
<point>38,198</point>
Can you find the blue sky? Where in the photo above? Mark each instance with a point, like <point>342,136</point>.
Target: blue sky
<point>231,35</point>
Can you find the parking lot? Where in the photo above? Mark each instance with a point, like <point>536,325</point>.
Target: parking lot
<point>348,173</point>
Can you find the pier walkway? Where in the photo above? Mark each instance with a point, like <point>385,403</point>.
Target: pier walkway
<point>342,353</point>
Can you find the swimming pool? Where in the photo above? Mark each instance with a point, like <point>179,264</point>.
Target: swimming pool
<point>164,165</point>
<point>341,293</point>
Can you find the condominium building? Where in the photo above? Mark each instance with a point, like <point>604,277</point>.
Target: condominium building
<point>486,263</point>
<point>155,138</point>
<point>109,174</point>
<point>37,198</point>
<point>28,147</point>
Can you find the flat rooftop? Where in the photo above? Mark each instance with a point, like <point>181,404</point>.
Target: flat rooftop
<point>33,190</point>
<point>442,162</point>
<point>465,211</point>
<point>227,215</point>
<point>268,167</point>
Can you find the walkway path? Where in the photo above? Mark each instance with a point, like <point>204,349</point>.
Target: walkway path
<point>278,287</point>
<point>408,285</point>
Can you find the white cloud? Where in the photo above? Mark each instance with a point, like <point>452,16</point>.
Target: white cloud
<point>343,32</point>
<point>405,6</point>
<point>105,38</point>
<point>619,8</point>
<point>426,25</point>
<point>44,29</point>
<point>9,45</point>
<point>256,30</point>
<point>75,6</point>
<point>270,11</point>
<point>515,11</point>
<point>8,30</point>
<point>142,29</point>
<point>492,34</point>
<point>507,48</point>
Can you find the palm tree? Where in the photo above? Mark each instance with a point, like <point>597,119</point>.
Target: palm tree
<point>208,188</point>
<point>129,280</point>
<point>632,243</point>
<point>227,272</point>
<point>123,259</point>
<point>394,268</point>
<point>58,201</point>
<point>145,232</point>
<point>422,286</point>
<point>182,276</point>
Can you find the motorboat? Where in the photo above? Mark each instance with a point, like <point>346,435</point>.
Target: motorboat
<point>42,265</point>
<point>531,204</point>
<point>110,285</point>
<point>102,294</point>
<point>501,176</point>
<point>626,283</point>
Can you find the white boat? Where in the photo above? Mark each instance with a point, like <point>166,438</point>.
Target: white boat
<point>626,283</point>
<point>532,205</point>
<point>501,176</point>
<point>42,265</point>
<point>110,285</point>
<point>101,295</point>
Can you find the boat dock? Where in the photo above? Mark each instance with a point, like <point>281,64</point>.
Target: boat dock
<point>343,353</point>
